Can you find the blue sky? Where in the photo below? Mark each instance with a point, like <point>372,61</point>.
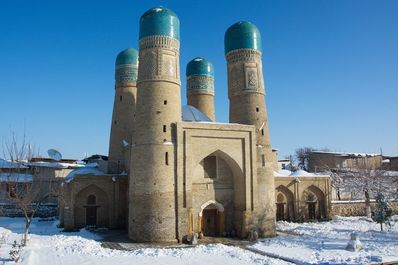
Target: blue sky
<point>330,68</point>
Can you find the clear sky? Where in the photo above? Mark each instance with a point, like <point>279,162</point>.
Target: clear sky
<point>330,68</point>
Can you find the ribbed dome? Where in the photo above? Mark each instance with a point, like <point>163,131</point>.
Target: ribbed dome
<point>242,35</point>
<point>159,21</point>
<point>200,66</point>
<point>128,56</point>
<point>190,113</point>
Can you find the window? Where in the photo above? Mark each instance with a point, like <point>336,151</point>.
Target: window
<point>120,98</point>
<point>115,122</point>
<point>164,128</point>
<point>263,160</point>
<point>262,131</point>
<point>91,199</point>
<point>165,102</point>
<point>166,158</point>
<point>257,109</point>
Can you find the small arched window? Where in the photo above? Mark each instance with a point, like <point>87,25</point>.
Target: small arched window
<point>91,199</point>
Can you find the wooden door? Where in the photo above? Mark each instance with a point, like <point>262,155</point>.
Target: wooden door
<point>280,211</point>
<point>311,210</point>
<point>210,222</point>
<point>91,215</point>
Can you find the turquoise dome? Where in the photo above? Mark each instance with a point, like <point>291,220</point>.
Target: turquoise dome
<point>242,35</point>
<point>128,56</point>
<point>160,21</point>
<point>200,66</point>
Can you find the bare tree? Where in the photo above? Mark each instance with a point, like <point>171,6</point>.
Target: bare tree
<point>302,156</point>
<point>26,190</point>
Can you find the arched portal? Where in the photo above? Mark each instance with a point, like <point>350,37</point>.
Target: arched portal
<point>91,207</point>
<point>218,194</point>
<point>315,201</point>
<point>284,204</point>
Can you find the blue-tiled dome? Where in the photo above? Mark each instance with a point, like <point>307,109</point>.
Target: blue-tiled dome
<point>160,21</point>
<point>190,113</point>
<point>242,35</point>
<point>128,56</point>
<point>200,66</point>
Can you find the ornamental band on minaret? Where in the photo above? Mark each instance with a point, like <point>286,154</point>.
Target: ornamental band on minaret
<point>200,86</point>
<point>152,211</point>
<point>123,110</point>
<point>247,106</point>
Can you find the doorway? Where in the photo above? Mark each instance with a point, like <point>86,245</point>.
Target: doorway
<point>91,211</point>
<point>311,210</point>
<point>280,211</point>
<point>210,222</point>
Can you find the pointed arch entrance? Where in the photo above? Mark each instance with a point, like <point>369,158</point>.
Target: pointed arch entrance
<point>211,218</point>
<point>315,200</point>
<point>284,204</point>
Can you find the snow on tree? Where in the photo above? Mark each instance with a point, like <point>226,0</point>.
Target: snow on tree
<point>384,211</point>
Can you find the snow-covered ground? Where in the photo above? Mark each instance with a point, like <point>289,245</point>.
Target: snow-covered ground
<point>304,243</point>
<point>325,242</point>
<point>51,247</point>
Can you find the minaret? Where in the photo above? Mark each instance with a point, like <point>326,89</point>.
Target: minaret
<point>152,204</point>
<point>123,110</point>
<point>200,86</point>
<point>247,106</point>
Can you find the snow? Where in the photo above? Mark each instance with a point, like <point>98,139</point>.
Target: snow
<point>325,242</point>
<point>53,164</point>
<point>15,177</point>
<point>10,164</point>
<point>302,243</point>
<point>48,245</point>
<point>91,169</point>
<point>298,173</point>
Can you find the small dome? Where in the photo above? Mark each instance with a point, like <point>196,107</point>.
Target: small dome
<point>200,66</point>
<point>159,21</point>
<point>242,35</point>
<point>128,56</point>
<point>190,113</point>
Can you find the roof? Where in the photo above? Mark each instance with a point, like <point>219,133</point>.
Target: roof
<point>89,169</point>
<point>345,153</point>
<point>298,173</point>
<point>15,177</point>
<point>190,113</point>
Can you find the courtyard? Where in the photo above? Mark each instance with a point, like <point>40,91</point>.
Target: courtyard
<point>299,243</point>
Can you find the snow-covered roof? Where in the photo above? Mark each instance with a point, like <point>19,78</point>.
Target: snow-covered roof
<point>386,161</point>
<point>298,173</point>
<point>53,164</point>
<point>11,164</point>
<point>89,169</point>
<point>15,177</point>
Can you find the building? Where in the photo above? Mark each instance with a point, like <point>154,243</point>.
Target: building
<point>302,196</point>
<point>38,176</point>
<point>172,170</point>
<point>320,161</point>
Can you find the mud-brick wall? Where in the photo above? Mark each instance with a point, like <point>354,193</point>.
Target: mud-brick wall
<point>356,208</point>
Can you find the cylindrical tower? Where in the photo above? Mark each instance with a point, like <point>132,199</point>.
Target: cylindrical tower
<point>123,110</point>
<point>247,106</point>
<point>153,209</point>
<point>200,86</point>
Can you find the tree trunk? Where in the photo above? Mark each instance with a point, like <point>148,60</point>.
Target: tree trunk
<point>381,226</point>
